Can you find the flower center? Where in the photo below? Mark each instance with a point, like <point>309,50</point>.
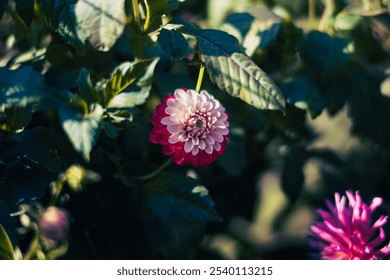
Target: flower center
<point>199,123</point>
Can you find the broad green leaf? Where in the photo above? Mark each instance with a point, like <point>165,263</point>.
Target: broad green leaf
<point>18,118</point>
<point>303,93</point>
<point>86,89</point>
<point>20,87</point>
<point>174,43</point>
<point>334,53</point>
<point>22,181</point>
<point>179,200</point>
<point>233,71</point>
<point>129,84</point>
<point>6,247</point>
<point>82,129</point>
<point>254,32</point>
<point>102,20</point>
<point>61,18</point>
<point>46,147</point>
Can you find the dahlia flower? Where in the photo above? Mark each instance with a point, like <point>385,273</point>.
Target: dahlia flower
<point>348,232</point>
<point>192,127</point>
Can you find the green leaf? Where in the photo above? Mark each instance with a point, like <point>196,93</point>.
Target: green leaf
<point>102,20</point>
<point>18,118</point>
<point>82,129</point>
<point>20,87</point>
<point>46,147</point>
<point>232,70</point>
<point>334,53</point>
<point>179,200</point>
<point>61,18</point>
<point>303,93</point>
<point>254,32</point>
<point>86,89</point>
<point>346,21</point>
<point>174,43</point>
<point>6,247</point>
<point>155,9</point>
<point>292,173</point>
<point>130,83</point>
<point>25,8</point>
<point>368,108</point>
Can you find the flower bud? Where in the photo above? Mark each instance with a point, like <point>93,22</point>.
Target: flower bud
<point>54,224</point>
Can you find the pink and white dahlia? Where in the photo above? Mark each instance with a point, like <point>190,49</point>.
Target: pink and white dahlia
<point>348,232</point>
<point>192,127</point>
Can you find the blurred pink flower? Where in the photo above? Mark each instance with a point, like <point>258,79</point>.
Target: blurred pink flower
<point>54,224</point>
<point>192,127</point>
<point>347,231</point>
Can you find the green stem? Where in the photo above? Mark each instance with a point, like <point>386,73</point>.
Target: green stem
<point>312,11</point>
<point>200,78</point>
<point>139,49</point>
<point>32,250</point>
<point>58,187</point>
<point>154,173</point>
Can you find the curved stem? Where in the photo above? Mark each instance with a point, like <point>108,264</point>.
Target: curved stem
<point>200,78</point>
<point>153,173</point>
<point>32,250</point>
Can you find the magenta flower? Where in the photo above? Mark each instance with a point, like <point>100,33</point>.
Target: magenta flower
<point>347,231</point>
<point>192,127</point>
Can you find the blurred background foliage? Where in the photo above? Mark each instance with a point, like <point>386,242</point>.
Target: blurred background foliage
<point>329,58</point>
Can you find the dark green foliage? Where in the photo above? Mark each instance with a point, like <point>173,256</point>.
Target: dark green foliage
<point>307,102</point>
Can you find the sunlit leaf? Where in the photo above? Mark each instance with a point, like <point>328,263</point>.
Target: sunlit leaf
<point>102,20</point>
<point>61,18</point>
<point>82,129</point>
<point>20,87</point>
<point>254,32</point>
<point>233,71</point>
<point>176,199</point>
<point>129,84</point>
<point>155,9</point>
<point>6,247</point>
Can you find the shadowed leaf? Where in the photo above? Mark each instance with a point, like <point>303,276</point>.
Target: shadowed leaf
<point>177,199</point>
